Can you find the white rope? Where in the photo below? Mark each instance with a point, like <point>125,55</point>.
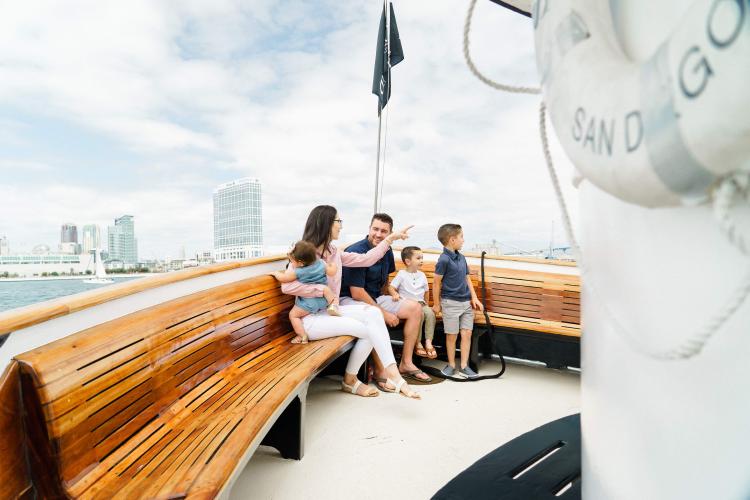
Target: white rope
<point>724,197</point>
<point>729,189</point>
<point>477,73</point>
<point>556,184</point>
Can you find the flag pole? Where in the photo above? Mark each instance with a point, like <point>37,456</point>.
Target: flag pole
<point>377,161</point>
<point>380,109</point>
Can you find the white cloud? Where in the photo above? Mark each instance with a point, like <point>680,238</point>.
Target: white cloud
<point>207,91</point>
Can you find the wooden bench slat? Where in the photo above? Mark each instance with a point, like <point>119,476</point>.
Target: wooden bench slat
<point>257,387</point>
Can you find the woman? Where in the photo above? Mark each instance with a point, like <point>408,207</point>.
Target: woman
<point>362,321</point>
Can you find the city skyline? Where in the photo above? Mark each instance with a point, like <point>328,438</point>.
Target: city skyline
<point>200,94</point>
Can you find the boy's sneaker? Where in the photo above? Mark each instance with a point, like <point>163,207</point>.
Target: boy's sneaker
<point>448,371</point>
<point>468,372</point>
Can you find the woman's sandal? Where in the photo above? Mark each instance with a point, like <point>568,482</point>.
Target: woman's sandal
<point>431,353</point>
<point>300,339</point>
<point>421,352</point>
<point>333,310</point>
<point>352,389</point>
<point>398,386</point>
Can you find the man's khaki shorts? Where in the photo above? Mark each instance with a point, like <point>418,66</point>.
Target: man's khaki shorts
<point>387,303</point>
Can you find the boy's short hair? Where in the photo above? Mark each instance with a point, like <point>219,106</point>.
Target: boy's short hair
<point>382,218</point>
<point>447,231</point>
<point>408,252</point>
<point>305,252</point>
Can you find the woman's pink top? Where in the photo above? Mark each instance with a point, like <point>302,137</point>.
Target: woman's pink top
<point>348,259</point>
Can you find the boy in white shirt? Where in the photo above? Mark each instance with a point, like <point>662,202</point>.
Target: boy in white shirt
<point>411,283</point>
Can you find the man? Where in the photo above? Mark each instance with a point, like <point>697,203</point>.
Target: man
<point>368,285</point>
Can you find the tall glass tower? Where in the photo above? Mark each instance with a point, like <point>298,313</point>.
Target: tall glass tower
<point>123,245</point>
<point>69,233</point>
<point>69,239</point>
<point>238,220</point>
<point>92,238</point>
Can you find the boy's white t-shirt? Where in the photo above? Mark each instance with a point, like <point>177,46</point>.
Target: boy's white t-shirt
<point>410,285</point>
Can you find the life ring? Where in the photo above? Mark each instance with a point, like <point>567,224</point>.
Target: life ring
<point>654,133</point>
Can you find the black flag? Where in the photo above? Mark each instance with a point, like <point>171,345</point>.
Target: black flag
<point>381,85</point>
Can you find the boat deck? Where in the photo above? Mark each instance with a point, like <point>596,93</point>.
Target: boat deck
<point>392,447</point>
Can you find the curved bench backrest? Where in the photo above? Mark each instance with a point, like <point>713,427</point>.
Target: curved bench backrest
<point>545,302</point>
<point>95,389</point>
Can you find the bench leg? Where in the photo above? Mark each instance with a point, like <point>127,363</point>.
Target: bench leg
<point>287,433</point>
<point>474,359</point>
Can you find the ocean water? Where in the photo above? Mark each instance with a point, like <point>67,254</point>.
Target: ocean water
<point>22,293</point>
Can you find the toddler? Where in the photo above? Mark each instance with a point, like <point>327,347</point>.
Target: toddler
<point>310,270</point>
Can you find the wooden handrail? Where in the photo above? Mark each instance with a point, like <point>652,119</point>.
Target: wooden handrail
<point>23,317</point>
<point>512,258</point>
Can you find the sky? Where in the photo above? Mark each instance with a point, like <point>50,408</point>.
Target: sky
<point>144,107</point>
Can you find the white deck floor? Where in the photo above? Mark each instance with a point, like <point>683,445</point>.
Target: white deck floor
<point>391,447</point>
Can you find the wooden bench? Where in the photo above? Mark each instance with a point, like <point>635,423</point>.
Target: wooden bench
<point>171,401</point>
<point>539,312</point>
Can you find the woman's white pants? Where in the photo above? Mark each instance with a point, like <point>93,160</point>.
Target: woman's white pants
<point>362,321</point>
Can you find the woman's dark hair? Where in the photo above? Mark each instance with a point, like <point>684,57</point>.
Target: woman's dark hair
<point>305,252</point>
<point>318,226</point>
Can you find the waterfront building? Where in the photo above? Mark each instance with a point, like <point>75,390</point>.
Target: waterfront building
<point>238,226</point>
<point>122,243</point>
<point>28,265</point>
<point>40,249</point>
<point>69,239</point>
<point>69,233</point>
<point>4,246</point>
<point>91,238</point>
<point>68,248</point>
<point>492,248</point>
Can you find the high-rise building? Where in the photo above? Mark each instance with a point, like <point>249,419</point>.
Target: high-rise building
<point>238,220</point>
<point>123,245</point>
<point>91,238</point>
<point>4,246</point>
<point>69,233</point>
<point>69,239</point>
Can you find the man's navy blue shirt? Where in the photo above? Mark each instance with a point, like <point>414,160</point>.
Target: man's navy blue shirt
<point>453,268</point>
<point>370,278</point>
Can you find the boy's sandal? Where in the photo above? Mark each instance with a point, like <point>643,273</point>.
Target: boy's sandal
<point>421,352</point>
<point>400,389</point>
<point>352,389</point>
<point>431,353</point>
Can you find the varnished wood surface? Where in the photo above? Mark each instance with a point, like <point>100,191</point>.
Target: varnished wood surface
<point>15,480</point>
<point>24,317</point>
<point>543,302</point>
<point>164,402</point>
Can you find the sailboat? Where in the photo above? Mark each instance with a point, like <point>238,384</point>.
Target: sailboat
<point>100,274</point>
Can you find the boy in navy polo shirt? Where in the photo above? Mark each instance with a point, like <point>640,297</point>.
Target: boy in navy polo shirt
<point>455,296</point>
